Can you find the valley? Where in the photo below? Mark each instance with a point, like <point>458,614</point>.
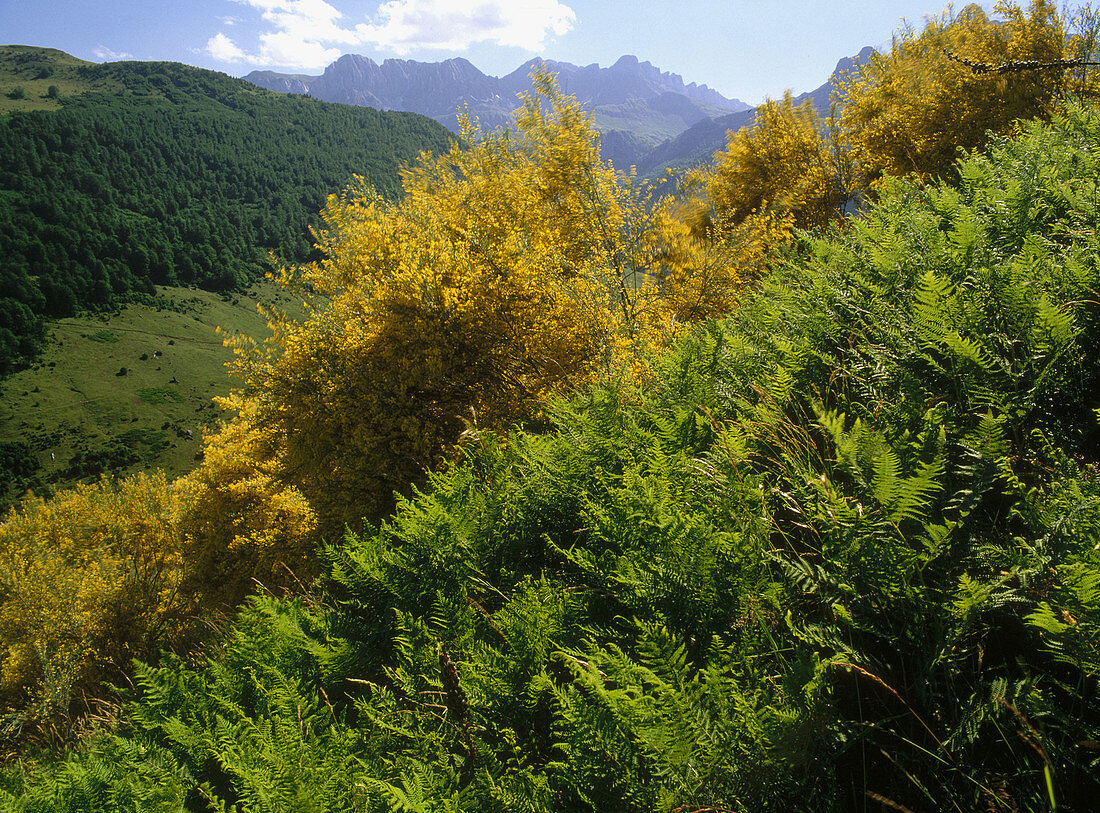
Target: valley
<point>124,391</point>
<point>147,173</point>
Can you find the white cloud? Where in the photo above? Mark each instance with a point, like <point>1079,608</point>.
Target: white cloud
<point>310,34</point>
<point>107,55</point>
<point>222,49</point>
<point>284,48</point>
<point>402,25</point>
<point>309,20</point>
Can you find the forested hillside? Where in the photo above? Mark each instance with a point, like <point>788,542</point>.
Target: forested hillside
<point>559,498</point>
<point>157,173</point>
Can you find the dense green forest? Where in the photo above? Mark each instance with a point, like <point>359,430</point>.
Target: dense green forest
<point>841,554</point>
<point>159,173</point>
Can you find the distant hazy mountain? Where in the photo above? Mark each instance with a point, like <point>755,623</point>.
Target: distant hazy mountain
<point>635,105</point>
<point>282,82</point>
<point>704,138</point>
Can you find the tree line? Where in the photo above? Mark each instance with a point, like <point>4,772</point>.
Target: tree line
<point>185,177</point>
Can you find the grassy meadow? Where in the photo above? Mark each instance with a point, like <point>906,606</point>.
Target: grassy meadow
<point>81,417</point>
<point>27,73</point>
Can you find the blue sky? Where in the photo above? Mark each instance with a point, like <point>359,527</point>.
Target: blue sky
<point>743,48</point>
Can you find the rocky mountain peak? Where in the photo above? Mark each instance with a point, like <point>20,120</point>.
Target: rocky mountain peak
<point>626,61</point>
<point>850,63</point>
<point>635,104</point>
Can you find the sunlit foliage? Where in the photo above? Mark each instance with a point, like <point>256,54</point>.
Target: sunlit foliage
<point>780,165</point>
<point>838,552</point>
<point>910,110</point>
<point>244,527</point>
<point>516,266</point>
<point>837,547</point>
<point>88,580</point>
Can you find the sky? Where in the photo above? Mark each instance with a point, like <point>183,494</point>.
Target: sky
<point>745,49</point>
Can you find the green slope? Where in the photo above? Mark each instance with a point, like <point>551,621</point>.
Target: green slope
<point>134,174</point>
<point>73,416</point>
<point>27,74</point>
<point>841,554</point>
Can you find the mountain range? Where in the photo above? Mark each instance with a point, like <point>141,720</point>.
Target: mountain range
<point>704,138</point>
<point>635,105</point>
<point>648,118</point>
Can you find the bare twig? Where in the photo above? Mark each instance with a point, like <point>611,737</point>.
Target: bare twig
<point>1018,65</point>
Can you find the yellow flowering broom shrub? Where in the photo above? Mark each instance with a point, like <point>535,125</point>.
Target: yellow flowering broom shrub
<point>780,168</point>
<point>243,526</point>
<point>516,266</point>
<point>912,109</point>
<point>88,580</point>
